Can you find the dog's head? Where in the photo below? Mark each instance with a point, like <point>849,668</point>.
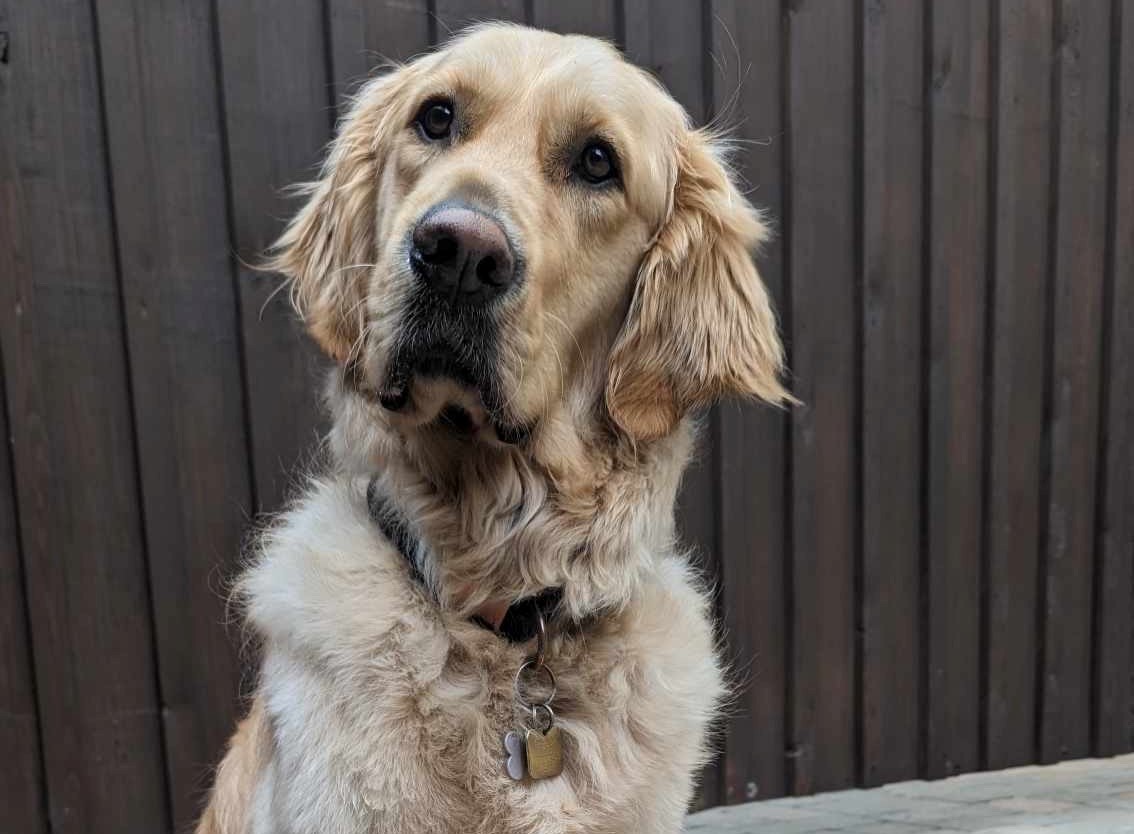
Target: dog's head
<point>524,222</point>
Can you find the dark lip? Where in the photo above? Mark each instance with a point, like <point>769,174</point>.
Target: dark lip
<point>437,361</point>
<point>442,362</point>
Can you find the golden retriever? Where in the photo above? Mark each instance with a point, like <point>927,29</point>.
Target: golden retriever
<point>530,269</point>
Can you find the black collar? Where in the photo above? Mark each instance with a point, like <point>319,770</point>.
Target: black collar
<point>521,621</point>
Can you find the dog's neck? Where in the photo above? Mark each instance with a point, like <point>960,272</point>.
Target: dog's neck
<point>574,507</point>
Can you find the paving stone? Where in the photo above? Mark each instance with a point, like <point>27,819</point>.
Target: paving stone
<point>958,789</point>
<point>1090,797</point>
<point>761,817</point>
<point>862,803</point>
<point>1094,821</point>
<point>888,827</point>
<point>1032,805</point>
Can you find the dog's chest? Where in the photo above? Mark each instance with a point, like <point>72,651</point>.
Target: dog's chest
<point>411,741</point>
<point>383,718</point>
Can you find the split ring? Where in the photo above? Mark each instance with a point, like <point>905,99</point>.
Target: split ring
<point>534,664</point>
<point>550,717</point>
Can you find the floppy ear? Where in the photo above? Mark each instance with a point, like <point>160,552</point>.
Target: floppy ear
<point>700,324</point>
<point>329,246</point>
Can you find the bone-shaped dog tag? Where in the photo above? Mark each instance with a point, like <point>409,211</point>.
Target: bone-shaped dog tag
<point>544,753</point>
<point>514,747</point>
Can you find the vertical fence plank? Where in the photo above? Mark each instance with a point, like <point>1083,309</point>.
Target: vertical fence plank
<point>69,407</point>
<point>277,111</point>
<point>454,15</point>
<point>584,17</point>
<point>1082,107</point>
<point>166,153</point>
<point>821,263</point>
<point>747,89</point>
<point>1114,643</point>
<point>21,768</point>
<point>666,38</point>
<point>958,266</point>
<point>891,215</point>
<point>366,34</point>
<point>1014,446</point>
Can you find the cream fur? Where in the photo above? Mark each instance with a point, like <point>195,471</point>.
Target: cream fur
<point>380,706</point>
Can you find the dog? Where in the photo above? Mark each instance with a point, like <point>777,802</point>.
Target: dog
<point>531,272</point>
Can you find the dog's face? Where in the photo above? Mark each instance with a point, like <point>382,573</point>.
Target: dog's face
<point>524,223</point>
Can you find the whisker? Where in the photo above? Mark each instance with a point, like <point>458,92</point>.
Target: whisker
<point>570,333</point>
<point>287,282</point>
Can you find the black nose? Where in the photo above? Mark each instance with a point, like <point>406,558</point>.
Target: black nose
<point>462,254</point>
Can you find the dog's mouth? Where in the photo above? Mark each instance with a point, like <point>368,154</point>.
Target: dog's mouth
<point>451,388</point>
<point>438,362</point>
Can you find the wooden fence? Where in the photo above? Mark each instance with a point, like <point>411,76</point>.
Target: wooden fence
<point>926,569</point>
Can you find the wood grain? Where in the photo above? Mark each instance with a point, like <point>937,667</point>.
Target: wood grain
<point>366,35</point>
<point>21,768</point>
<point>892,387</point>
<point>69,407</point>
<point>597,18</point>
<point>821,251</point>
<point>1022,209</point>
<point>454,15</point>
<point>1114,639</point>
<point>278,112</point>
<point>1078,269</point>
<point>182,323</point>
<point>747,87</point>
<point>958,272</point>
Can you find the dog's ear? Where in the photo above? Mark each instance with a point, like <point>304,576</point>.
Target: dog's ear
<point>330,246</point>
<point>700,324</point>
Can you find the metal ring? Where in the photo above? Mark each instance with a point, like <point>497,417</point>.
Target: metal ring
<point>550,717</point>
<point>531,663</point>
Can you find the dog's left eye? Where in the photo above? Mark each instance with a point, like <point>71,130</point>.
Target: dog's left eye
<point>597,163</point>
<point>435,119</point>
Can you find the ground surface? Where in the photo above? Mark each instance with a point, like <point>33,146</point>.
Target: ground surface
<point>1095,796</point>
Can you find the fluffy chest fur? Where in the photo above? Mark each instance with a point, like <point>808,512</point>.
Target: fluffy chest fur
<point>386,714</point>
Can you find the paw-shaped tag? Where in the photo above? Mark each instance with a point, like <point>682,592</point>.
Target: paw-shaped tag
<point>514,747</point>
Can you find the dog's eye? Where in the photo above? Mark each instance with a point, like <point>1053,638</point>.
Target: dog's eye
<point>435,119</point>
<point>597,163</point>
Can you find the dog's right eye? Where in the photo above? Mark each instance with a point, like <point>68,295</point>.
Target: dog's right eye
<point>435,119</point>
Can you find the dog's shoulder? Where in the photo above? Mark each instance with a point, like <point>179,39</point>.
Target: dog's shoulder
<point>324,577</point>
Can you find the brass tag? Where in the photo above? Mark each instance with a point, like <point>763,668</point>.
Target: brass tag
<point>545,753</point>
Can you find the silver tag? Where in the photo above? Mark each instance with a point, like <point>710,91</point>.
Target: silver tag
<point>514,747</point>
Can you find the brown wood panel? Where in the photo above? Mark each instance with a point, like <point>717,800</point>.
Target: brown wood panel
<point>665,37</point>
<point>893,295</point>
<point>958,269</point>
<point>1114,646</point>
<point>747,88</point>
<point>821,251</point>
<point>182,319</point>
<point>598,18</point>
<point>1079,240</point>
<point>454,15</point>
<point>21,768</point>
<point>278,113</point>
<point>1020,221</point>
<point>72,433</point>
<point>365,34</point>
